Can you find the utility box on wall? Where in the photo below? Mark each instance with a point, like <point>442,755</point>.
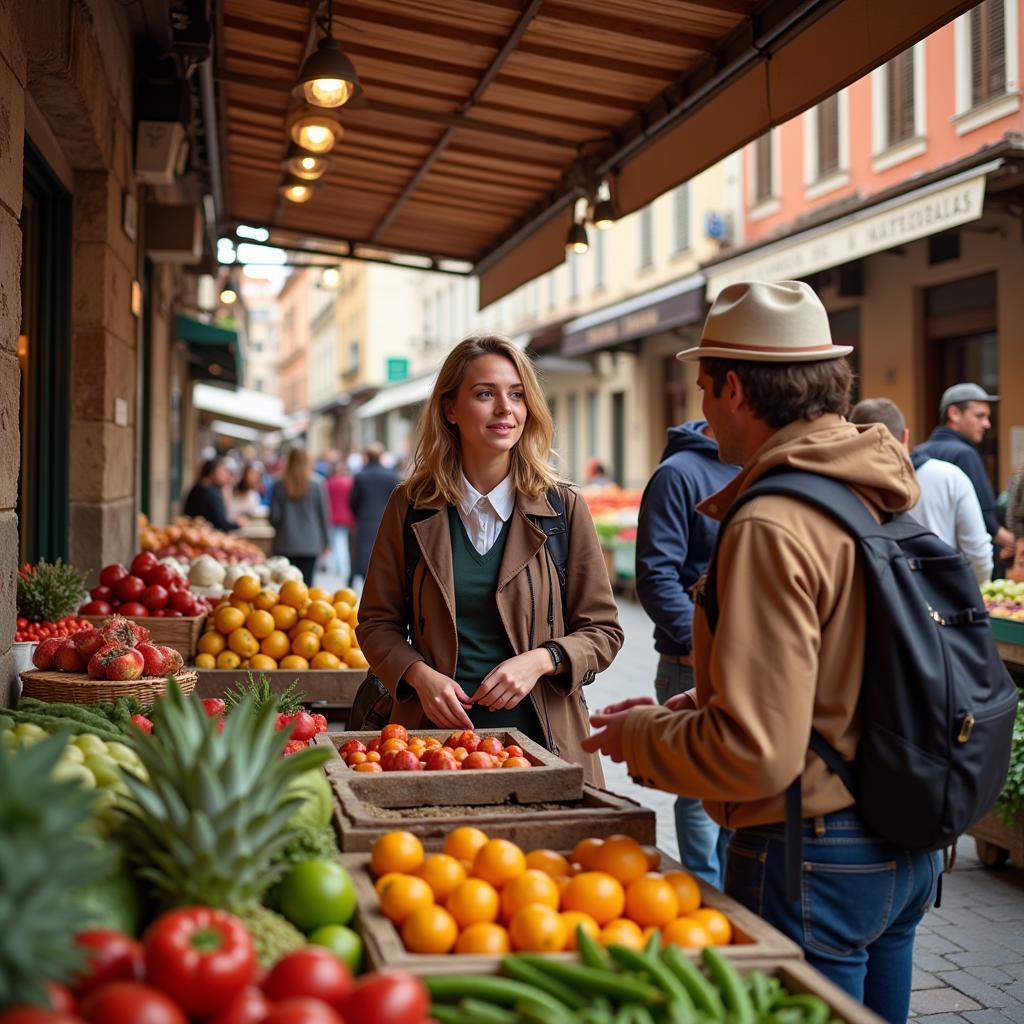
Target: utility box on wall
<point>174,232</point>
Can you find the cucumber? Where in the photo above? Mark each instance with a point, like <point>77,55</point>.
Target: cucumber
<point>704,995</point>
<point>503,991</point>
<point>591,954</point>
<point>731,985</point>
<point>813,1010</point>
<point>603,982</point>
<point>659,974</point>
<point>487,1013</point>
<point>517,968</point>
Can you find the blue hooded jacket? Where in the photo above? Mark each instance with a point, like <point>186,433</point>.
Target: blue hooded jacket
<point>674,541</point>
<point>947,445</point>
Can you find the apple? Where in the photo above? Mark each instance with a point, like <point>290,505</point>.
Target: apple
<point>394,731</point>
<point>96,608</point>
<point>110,575</point>
<point>351,746</point>
<point>68,658</point>
<point>516,762</point>
<point>441,761</point>
<point>130,588</point>
<point>405,761</point>
<point>479,759</point>
<point>393,744</point>
<point>514,750</point>
<point>490,745</point>
<point>44,652</point>
<point>374,744</point>
<point>88,641</point>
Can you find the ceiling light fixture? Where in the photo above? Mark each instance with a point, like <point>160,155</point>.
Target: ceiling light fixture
<point>296,190</point>
<point>304,164</point>
<point>314,130</point>
<point>228,296</point>
<point>331,277</point>
<point>576,241</point>
<point>605,214</point>
<point>328,78</point>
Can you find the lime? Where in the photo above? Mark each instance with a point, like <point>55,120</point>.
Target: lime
<point>341,941</point>
<point>317,892</point>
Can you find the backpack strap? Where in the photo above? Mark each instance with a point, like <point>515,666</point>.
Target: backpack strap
<point>556,529</point>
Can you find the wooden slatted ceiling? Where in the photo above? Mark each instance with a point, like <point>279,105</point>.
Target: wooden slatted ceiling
<point>580,71</point>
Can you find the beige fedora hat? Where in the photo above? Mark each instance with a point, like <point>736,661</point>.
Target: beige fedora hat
<point>779,322</point>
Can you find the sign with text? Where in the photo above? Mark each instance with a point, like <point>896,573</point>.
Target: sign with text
<point>398,369</point>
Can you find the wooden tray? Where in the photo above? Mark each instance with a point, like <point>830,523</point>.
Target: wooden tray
<point>78,688</point>
<point>549,779</point>
<point>559,825</point>
<point>182,634</point>
<point>753,939</point>
<point>331,686</point>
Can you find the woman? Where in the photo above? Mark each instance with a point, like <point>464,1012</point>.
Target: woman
<point>206,499</point>
<point>339,491</point>
<point>298,513</point>
<point>246,498</point>
<point>489,651</point>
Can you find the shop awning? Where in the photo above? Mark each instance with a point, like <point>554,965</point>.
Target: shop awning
<point>398,396</point>
<point>214,353</point>
<point>482,122</point>
<point>924,211</point>
<point>246,408</point>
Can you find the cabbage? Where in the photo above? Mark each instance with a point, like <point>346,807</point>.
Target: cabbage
<point>317,799</point>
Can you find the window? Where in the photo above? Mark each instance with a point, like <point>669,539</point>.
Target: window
<point>898,116</point>
<point>645,238</point>
<point>551,290</point>
<point>574,275</point>
<point>681,218</point>
<point>826,115</point>
<point>764,184</point>
<point>986,59</point>
<point>599,259</point>
<point>353,357</point>
<point>988,51</point>
<point>899,84</point>
<point>592,422</point>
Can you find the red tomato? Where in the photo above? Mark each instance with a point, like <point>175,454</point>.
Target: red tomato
<point>96,608</point>
<point>128,1002</point>
<point>182,601</point>
<point>155,596</point>
<point>161,576</point>
<point>143,563</point>
<point>311,971</point>
<point>101,593</point>
<point>22,622</point>
<point>61,997</point>
<point>302,1011</point>
<point>131,588</point>
<point>250,1006</point>
<point>110,574</point>
<point>135,609</point>
<point>110,956</point>
<point>202,957</point>
<point>33,1015</point>
<point>395,996</point>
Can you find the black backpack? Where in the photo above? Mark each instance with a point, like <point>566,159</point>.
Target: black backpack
<point>371,706</point>
<point>937,705</point>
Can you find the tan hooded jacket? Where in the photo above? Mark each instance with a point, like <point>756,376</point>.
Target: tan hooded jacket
<point>529,603</point>
<point>788,649</point>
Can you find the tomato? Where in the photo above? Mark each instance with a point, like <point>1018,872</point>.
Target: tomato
<point>312,972</point>
<point>101,593</point>
<point>130,588</point>
<point>143,563</point>
<point>182,601</point>
<point>202,957</point>
<point>96,608</point>
<point>110,956</point>
<point>249,1006</point>
<point>110,575</point>
<point>33,1015</point>
<point>161,576</point>
<point>155,596</point>
<point>394,996</point>
<point>302,1011</point>
<point>134,608</point>
<point>128,1002</point>
<point>61,997</point>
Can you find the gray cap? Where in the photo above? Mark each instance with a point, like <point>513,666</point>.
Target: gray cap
<point>964,393</point>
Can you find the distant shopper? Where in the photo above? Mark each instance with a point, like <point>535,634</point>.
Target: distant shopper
<point>1015,505</point>
<point>247,497</point>
<point>948,505</point>
<point>597,474</point>
<point>298,512</point>
<point>370,492</point>
<point>206,499</point>
<point>339,493</point>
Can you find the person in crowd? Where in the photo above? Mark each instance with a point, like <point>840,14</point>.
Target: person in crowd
<point>298,513</point>
<point>247,496</point>
<point>1015,505</point>
<point>597,474</point>
<point>339,490</point>
<point>206,499</point>
<point>482,638</point>
<point>371,489</point>
<point>786,655</point>
<point>964,418</point>
<point>271,471</point>
<point>948,506</point>
<point>673,544</point>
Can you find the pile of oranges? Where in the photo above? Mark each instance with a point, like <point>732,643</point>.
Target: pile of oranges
<point>486,896</point>
<point>297,629</point>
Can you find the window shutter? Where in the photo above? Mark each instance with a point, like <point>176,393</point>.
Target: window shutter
<point>977,56</point>
<point>907,94</point>
<point>763,168</point>
<point>996,48</point>
<point>828,136</point>
<point>681,200</point>
<point>646,237</point>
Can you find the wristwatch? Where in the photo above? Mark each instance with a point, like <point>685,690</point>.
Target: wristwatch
<point>557,657</point>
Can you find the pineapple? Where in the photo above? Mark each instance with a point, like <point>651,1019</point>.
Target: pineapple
<point>215,811</point>
<point>44,854</point>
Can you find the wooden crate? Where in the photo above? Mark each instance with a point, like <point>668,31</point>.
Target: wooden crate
<point>753,939</point>
<point>182,634</point>
<point>549,779</point>
<point>331,686</point>
<point>359,823</point>
<point>996,843</point>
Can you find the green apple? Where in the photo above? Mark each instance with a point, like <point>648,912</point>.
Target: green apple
<point>121,753</point>
<point>104,770</point>
<point>69,771</point>
<point>73,753</point>
<point>342,941</point>
<point>90,743</point>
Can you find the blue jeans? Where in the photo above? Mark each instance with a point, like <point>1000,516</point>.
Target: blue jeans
<point>861,901</point>
<point>341,563</point>
<point>701,842</point>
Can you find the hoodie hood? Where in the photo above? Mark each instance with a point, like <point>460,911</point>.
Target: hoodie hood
<point>690,437</point>
<point>865,457</point>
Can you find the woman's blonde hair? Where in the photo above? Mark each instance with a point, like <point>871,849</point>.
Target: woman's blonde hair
<point>437,462</point>
<point>297,474</point>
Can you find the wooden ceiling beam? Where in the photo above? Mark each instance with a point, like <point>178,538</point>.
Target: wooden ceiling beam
<point>567,14</point>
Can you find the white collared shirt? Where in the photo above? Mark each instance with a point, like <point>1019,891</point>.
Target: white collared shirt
<point>483,515</point>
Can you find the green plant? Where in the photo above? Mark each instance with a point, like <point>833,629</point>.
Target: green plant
<point>1010,804</point>
<point>49,591</point>
<point>260,694</point>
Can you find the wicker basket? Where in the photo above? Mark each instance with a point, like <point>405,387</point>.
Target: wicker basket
<point>78,688</point>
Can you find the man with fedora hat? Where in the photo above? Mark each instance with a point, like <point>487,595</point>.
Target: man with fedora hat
<point>787,652</point>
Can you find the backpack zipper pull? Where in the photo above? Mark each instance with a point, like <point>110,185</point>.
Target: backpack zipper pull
<point>966,727</point>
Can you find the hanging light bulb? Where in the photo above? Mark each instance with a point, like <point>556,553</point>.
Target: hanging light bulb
<point>315,131</point>
<point>304,164</point>
<point>604,209</point>
<point>331,278</point>
<point>328,78</point>
<point>576,241</point>
<point>228,295</point>
<point>295,190</point>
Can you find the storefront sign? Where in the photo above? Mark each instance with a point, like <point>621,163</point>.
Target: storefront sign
<point>398,369</point>
<point>922,213</point>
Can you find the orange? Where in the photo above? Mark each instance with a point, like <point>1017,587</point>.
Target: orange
<point>548,861</point>
<point>716,923</point>
<point>650,900</point>
<point>243,643</point>
<point>293,663</point>
<point>308,626</point>
<point>574,919</point>
<point>318,594</point>
<point>212,643</point>
<point>443,874</point>
<point>305,645</point>
<point>294,593</point>
<point>285,616</point>
<point>320,611</point>
<point>597,894</point>
<point>260,624</point>
<point>403,896</point>
<point>206,660</point>
<point>530,887</point>
<point>384,879</point>
<point>583,852</point>
<point>430,930</point>
<point>325,660</point>
<point>348,595</point>
<point>243,606</point>
<point>538,929</point>
<point>653,855</point>
<point>276,645</point>
<point>355,659</point>
<point>337,642</point>
<point>262,663</point>
<point>687,890</point>
<point>562,881</point>
<point>343,610</point>
<point>228,618</point>
<point>484,937</point>
<point>622,932</point>
<point>228,659</point>
<point>463,842</point>
<point>266,599</point>
<point>622,857</point>
<point>472,902</point>
<point>367,766</point>
<point>396,851</point>
<point>685,931</point>
<point>247,588</point>
<point>498,861</point>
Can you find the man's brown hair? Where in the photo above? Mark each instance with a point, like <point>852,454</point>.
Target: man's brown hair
<point>781,393</point>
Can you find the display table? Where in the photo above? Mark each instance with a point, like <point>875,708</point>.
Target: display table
<point>319,686</point>
<point>258,532</point>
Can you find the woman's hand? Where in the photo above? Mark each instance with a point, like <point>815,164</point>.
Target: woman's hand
<point>508,683</point>
<point>443,701</point>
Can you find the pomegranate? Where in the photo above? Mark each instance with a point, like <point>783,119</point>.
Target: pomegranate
<point>121,631</point>
<point>44,653</point>
<point>88,642</point>
<point>175,662</point>
<point>116,662</point>
<point>154,659</point>
<point>68,658</point>
<point>304,726</point>
<point>97,668</point>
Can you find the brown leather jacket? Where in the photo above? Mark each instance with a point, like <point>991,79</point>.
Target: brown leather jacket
<point>529,602</point>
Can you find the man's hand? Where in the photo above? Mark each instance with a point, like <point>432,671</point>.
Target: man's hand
<point>1003,540</point>
<point>608,740</point>
<point>443,701</point>
<point>685,701</point>
<point>508,683</point>
<point>625,705</point>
